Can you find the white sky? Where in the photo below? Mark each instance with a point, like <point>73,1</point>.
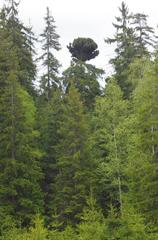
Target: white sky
<point>83,18</point>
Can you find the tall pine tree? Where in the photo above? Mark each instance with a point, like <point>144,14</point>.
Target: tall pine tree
<point>50,39</point>
<point>144,35</point>
<point>125,47</point>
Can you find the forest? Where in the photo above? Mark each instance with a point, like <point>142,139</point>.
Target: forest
<point>78,160</point>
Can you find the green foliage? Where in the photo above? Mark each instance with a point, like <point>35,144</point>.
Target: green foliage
<point>109,145</point>
<point>144,34</point>
<point>142,167</point>
<point>78,138</point>
<point>67,234</point>
<point>73,163</point>
<point>22,39</point>
<point>49,115</point>
<point>85,77</point>
<point>83,49</point>
<point>92,225</point>
<point>20,173</point>
<point>125,49</point>
<point>133,36</point>
<point>38,231</point>
<point>129,226</point>
<point>50,40</point>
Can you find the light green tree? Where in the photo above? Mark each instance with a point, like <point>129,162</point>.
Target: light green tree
<point>109,139</point>
<point>142,150</point>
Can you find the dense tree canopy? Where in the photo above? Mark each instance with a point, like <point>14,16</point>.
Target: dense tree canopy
<point>78,160</point>
<point>83,49</point>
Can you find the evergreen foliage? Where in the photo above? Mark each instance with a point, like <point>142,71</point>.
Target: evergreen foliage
<point>145,35</point>
<point>132,38</point>
<point>20,172</point>
<point>49,115</point>
<point>72,181</point>
<point>50,40</point>
<point>21,38</point>
<point>109,145</point>
<point>125,47</point>
<point>85,77</point>
<point>83,49</point>
<point>76,161</point>
<point>143,144</point>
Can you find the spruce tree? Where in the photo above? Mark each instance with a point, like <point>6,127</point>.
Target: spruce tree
<point>85,77</point>
<point>48,117</point>
<point>125,47</point>
<point>133,38</point>
<point>19,36</point>
<point>49,110</point>
<point>144,35</point>
<point>20,172</point>
<point>73,179</point>
<point>50,39</point>
<point>92,222</point>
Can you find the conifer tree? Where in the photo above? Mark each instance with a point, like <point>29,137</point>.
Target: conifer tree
<point>85,78</point>
<point>125,47</point>
<point>19,36</point>
<point>49,115</point>
<point>83,49</point>
<point>50,41</point>
<point>133,37</point>
<point>49,108</point>
<point>20,173</point>
<point>73,179</point>
<point>128,226</point>
<point>144,35</point>
<point>92,222</point>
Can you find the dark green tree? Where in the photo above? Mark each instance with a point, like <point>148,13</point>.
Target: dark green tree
<point>20,172</point>
<point>125,47</point>
<point>49,115</point>
<point>144,35</point>
<point>50,41</point>
<point>73,161</point>
<point>85,78</point>
<point>49,110</point>
<point>83,49</point>
<point>19,36</point>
